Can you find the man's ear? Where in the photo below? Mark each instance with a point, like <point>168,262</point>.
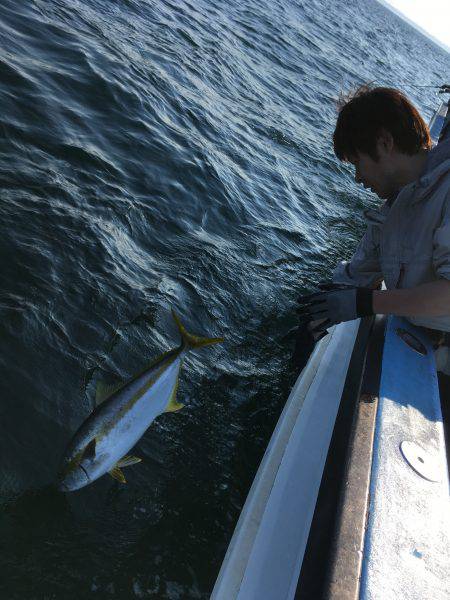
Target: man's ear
<point>385,142</point>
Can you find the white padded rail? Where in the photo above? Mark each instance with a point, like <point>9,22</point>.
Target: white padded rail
<point>266,552</point>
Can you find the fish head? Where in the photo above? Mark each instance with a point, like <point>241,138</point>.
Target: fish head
<point>77,468</point>
<point>72,477</point>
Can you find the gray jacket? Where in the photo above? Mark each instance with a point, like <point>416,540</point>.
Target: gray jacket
<point>407,243</point>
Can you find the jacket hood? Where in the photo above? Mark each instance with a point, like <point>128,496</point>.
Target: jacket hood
<point>436,167</point>
<point>432,178</point>
<point>437,155</point>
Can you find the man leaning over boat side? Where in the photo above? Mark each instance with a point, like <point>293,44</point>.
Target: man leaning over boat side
<point>407,240</point>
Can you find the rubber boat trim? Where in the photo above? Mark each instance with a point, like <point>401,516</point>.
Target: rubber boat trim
<point>344,569</point>
<point>357,402</point>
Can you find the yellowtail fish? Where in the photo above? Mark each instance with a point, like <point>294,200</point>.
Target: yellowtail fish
<point>102,442</point>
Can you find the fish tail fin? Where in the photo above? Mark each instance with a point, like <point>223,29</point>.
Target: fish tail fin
<point>193,341</point>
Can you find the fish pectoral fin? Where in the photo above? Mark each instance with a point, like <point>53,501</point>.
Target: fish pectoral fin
<point>173,405</point>
<point>89,451</point>
<point>116,473</point>
<point>128,460</point>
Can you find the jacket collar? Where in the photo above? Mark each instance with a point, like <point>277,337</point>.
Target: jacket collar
<point>377,216</point>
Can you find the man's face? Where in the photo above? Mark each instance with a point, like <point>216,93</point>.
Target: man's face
<point>377,175</point>
<point>374,175</point>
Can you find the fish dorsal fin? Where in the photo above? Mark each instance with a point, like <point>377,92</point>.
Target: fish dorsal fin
<point>105,390</point>
<point>116,473</point>
<point>173,405</point>
<point>128,460</point>
<point>89,451</point>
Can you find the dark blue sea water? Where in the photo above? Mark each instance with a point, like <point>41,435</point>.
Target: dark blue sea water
<point>158,154</point>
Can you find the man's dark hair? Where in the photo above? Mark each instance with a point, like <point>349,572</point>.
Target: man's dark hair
<point>365,114</point>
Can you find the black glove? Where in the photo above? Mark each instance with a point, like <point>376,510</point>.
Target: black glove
<point>334,304</point>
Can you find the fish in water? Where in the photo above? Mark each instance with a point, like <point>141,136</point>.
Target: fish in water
<point>101,443</point>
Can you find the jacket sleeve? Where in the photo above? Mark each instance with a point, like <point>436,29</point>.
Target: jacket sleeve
<point>363,269</point>
<point>441,243</point>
